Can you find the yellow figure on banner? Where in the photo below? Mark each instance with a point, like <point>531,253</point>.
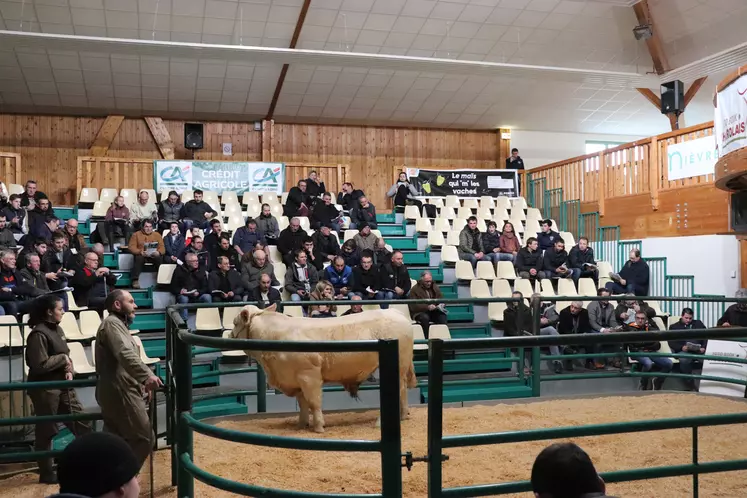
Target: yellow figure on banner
<point>427,186</point>
<point>440,180</point>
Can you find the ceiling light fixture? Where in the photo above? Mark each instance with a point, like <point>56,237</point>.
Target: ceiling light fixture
<point>643,32</point>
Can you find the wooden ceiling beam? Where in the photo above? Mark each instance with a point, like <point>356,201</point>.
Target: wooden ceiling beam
<point>105,136</point>
<point>693,90</point>
<point>654,44</point>
<point>161,136</point>
<point>689,95</point>
<point>650,96</point>
<point>284,71</point>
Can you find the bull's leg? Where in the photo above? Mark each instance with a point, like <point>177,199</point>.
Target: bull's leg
<point>404,412</point>
<point>303,416</point>
<point>311,386</point>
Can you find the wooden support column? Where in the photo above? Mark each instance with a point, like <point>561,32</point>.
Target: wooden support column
<point>602,182</point>
<point>105,136</point>
<point>654,44</point>
<point>504,148</point>
<point>268,145</point>
<point>161,136</point>
<point>654,168</point>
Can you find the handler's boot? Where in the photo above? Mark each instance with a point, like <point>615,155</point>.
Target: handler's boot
<point>47,474</point>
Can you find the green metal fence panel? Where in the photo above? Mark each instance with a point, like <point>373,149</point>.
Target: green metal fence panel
<point>709,312</point>
<point>657,281</point>
<point>537,194</point>
<point>552,203</point>
<point>679,286</point>
<point>623,250</point>
<point>588,227</point>
<point>606,244</point>
<point>570,217</point>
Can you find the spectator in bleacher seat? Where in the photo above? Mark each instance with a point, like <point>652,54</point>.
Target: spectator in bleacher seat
<point>341,277</point>
<point>548,321</point>
<point>7,239</point>
<point>197,212</point>
<point>32,276</point>
<point>326,243</point>
<point>14,213</point>
<point>143,209</point>
<point>48,359</point>
<point>555,261</point>
<point>528,262</point>
<point>245,237</point>
<point>264,293</point>
<point>364,239</point>
<point>690,346</point>
<point>425,314</point>
<point>642,323</point>
<point>267,224</point>
<point>225,283</point>
<point>404,192</point>
<point>173,243</point>
<point>629,306</point>
<point>322,292</point>
<point>226,250</point>
<point>349,252</point>
<point>491,242</point>
<point>45,230</point>
<point>300,278</point>
<point>116,223</point>
<point>633,278</point>
<point>514,161</point>
<point>253,266</point>
<point>325,213</point>
<point>366,277</point>
<point>33,244</point>
<point>603,320</point>
<point>355,308</point>
<point>31,196</point>
<point>470,243</point>
<point>517,317</point>
<point>547,236</point>
<point>212,240</point>
<point>581,258</point>
<point>147,247</point>
<point>736,314</point>
<point>169,210</point>
<point>313,256</point>
<point>395,279</point>
<point>381,255</point>
<point>314,185</point>
<point>57,262</point>
<point>197,247</point>
<point>365,212</point>
<point>574,319</point>
<point>190,283</point>
<point>509,242</point>
<point>290,240</point>
<point>92,283</point>
<point>13,290</point>
<point>75,240</point>
<point>298,202</point>
<point>349,198</point>
<point>563,470</point>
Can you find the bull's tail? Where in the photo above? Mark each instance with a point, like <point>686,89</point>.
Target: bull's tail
<point>352,390</point>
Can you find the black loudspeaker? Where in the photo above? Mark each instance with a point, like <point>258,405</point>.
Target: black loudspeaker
<point>672,97</point>
<point>193,136</point>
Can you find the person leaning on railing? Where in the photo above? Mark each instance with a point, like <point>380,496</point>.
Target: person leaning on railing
<point>548,321</point>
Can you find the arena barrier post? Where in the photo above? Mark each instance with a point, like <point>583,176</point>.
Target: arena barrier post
<point>184,442</point>
<point>261,389</point>
<point>435,415</point>
<point>389,405</point>
<point>696,477</point>
<point>536,362</point>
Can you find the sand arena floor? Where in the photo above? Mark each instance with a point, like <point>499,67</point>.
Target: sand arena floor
<point>334,472</point>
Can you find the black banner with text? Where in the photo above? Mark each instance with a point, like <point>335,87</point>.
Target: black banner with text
<point>464,182</point>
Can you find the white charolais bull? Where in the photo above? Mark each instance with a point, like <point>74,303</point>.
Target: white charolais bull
<point>301,375</point>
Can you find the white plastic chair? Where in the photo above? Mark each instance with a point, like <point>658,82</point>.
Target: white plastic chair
<point>470,203</point>
<point>436,238</point>
<point>412,213</point>
<point>144,357</point>
<point>447,212</point>
<point>436,201</point>
<point>423,225</point>
<point>208,319</point>
<point>463,270</point>
<point>71,330</point>
<point>452,238</point>
<point>485,270</point>
<point>100,208</point>
<point>502,202</point>
<point>235,353</point>
<point>229,197</point>
<point>418,335</point>
<point>523,285</point>
<point>165,272</point>
<point>442,225</point>
<point>464,212</point>
<point>81,366</point>
<point>88,194</point>
<point>505,270</point>
<point>566,287</point>
<point>108,195</point>
<point>519,203</point>
<point>478,288</point>
<point>211,197</point>
<point>129,195</point>
<point>439,331</point>
<point>486,202</point>
<point>452,201</point>
<point>449,254</point>
<point>10,332</point>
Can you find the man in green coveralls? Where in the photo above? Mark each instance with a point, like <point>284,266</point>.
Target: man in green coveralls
<point>124,382</point>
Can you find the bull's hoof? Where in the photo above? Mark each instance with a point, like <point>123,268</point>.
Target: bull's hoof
<point>303,424</point>
<point>404,416</point>
<point>319,429</point>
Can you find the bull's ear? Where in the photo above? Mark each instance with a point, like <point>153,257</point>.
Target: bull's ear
<point>244,315</point>
<point>273,307</point>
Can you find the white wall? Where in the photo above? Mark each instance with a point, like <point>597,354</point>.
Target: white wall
<point>710,258</point>
<point>539,148</point>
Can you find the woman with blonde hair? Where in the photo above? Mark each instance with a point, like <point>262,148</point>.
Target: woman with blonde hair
<point>324,291</point>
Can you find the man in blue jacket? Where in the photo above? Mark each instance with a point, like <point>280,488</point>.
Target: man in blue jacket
<point>547,236</point>
<point>341,277</point>
<point>247,237</point>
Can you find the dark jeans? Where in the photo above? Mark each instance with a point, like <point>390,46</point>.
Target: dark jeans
<point>616,288</point>
<point>19,307</point>
<point>182,299</point>
<point>140,260</point>
<point>111,229</point>
<point>425,318</point>
<point>235,299</point>
<point>592,274</point>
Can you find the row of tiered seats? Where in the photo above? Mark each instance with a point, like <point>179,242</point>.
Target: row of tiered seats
<point>91,195</point>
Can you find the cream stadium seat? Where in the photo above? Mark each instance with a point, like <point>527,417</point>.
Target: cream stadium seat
<point>479,289</point>
<point>447,212</point>
<point>554,226</point>
<point>438,331</point>
<point>486,202</point>
<point>501,288</point>
<point>130,196</point>
<point>449,254</point>
<point>417,335</point>
<point>517,214</point>
<point>484,213</point>
<point>71,330</point>
<point>229,197</point>
<point>208,319</point>
<point>502,202</point>
<point>519,203</point>
<point>569,240</point>
<point>237,353</point>
<point>81,366</point>
<point>283,198</point>
<point>547,290</point>
<point>586,287</point>
<point>566,287</point>
<point>282,222</point>
<point>459,223</point>
<point>274,254</point>
<point>452,201</point>
<point>657,309</point>
<point>423,225</point>
<point>377,233</point>
<point>165,272</point>
<point>500,215</point>
<point>297,311</point>
<point>464,270</point>
<point>187,196</point>
<point>495,310</point>
<point>464,212</point>
<point>485,270</point>
<point>603,281</point>
<point>144,357</point>
<point>10,332</point>
<point>276,210</point>
<point>402,308</point>
<point>481,225</point>
<point>436,201</point>
<point>232,209</point>
<point>664,344</point>
<point>88,194</point>
<point>452,238</point>
<point>270,199</point>
<point>211,197</point>
<point>604,269</point>
<point>305,224</point>
<point>15,188</point>
<point>524,285</point>
<point>436,238</point>
<point>234,223</point>
<point>250,198</point>
<point>533,227</point>
<point>279,268</point>
<point>534,214</point>
<point>412,213</point>
<point>505,270</point>
<point>471,203</point>
<point>442,225</point>
<point>90,321</point>
<point>100,208</point>
<point>108,195</point>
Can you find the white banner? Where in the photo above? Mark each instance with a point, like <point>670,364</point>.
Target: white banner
<point>727,349</point>
<point>730,121</point>
<point>219,176</point>
<point>692,158</point>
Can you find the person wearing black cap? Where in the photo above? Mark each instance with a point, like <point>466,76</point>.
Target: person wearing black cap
<point>98,465</point>
<point>564,470</point>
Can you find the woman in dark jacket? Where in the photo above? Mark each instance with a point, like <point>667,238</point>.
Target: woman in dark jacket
<point>47,356</point>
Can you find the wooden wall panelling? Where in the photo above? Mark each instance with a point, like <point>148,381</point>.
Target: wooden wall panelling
<point>161,136</point>
<point>105,135</point>
<point>10,168</point>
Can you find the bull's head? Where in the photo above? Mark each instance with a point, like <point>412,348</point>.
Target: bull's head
<point>243,321</point>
